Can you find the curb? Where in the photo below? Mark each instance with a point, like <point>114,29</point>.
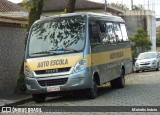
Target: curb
<point>18,102</point>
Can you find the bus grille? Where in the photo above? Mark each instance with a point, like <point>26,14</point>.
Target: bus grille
<point>53,82</point>
<point>51,71</point>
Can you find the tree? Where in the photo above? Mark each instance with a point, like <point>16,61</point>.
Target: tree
<point>141,41</point>
<point>158,38</point>
<point>138,8</point>
<point>35,12</point>
<point>70,6</point>
<point>119,6</point>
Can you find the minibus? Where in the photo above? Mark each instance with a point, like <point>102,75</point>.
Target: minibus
<point>76,51</point>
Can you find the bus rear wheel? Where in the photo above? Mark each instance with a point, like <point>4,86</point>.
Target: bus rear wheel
<point>39,98</point>
<point>119,82</point>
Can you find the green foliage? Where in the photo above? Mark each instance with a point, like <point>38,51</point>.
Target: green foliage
<point>21,83</point>
<point>138,8</point>
<point>141,41</point>
<point>25,6</point>
<point>65,11</point>
<point>158,38</point>
<point>119,6</point>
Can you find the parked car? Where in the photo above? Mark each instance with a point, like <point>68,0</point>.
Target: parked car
<point>148,61</point>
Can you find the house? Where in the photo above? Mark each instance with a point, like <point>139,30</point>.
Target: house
<point>144,19</point>
<point>10,9</point>
<point>53,7</point>
<point>12,39</point>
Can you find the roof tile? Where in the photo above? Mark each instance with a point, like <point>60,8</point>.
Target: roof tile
<point>7,6</point>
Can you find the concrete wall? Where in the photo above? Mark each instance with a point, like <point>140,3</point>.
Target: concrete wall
<point>11,55</point>
<point>144,19</point>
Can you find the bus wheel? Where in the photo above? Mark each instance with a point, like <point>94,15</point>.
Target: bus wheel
<point>38,98</point>
<point>119,82</point>
<point>92,93</point>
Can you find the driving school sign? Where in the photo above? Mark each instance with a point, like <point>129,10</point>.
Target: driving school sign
<point>52,63</point>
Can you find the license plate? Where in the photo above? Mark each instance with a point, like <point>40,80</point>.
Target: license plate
<point>53,88</point>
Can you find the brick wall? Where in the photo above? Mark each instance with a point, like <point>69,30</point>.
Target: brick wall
<point>11,55</point>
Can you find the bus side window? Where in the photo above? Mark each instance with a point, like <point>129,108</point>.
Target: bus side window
<point>110,32</point>
<point>94,32</point>
<point>118,32</point>
<point>124,32</point>
<point>103,32</point>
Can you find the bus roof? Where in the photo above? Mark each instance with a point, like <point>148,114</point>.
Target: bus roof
<point>88,14</point>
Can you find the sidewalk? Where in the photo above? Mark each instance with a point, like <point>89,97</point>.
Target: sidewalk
<point>13,99</point>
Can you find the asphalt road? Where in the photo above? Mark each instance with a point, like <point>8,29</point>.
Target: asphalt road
<point>142,89</point>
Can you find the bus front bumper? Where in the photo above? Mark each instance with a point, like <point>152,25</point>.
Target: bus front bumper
<point>80,80</point>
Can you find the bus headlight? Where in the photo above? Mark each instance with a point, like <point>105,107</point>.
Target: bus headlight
<point>81,65</point>
<point>28,73</point>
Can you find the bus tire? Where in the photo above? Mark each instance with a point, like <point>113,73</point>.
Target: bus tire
<point>92,92</point>
<point>39,98</point>
<point>121,80</point>
<point>113,84</point>
<point>118,82</point>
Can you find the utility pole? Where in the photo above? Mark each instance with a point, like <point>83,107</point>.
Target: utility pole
<point>132,4</point>
<point>105,6</point>
<point>148,4</point>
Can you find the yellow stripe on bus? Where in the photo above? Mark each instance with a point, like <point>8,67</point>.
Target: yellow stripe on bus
<point>52,63</point>
<point>70,61</point>
<point>107,57</point>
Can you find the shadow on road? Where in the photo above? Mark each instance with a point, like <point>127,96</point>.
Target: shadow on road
<point>79,96</point>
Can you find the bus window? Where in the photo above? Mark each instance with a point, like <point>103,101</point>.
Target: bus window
<point>103,33</point>
<point>124,32</point>
<point>94,32</point>
<point>110,32</point>
<point>118,32</point>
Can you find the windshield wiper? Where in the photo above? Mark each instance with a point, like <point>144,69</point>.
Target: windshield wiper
<point>44,52</point>
<point>69,49</point>
<point>55,51</point>
<point>65,49</point>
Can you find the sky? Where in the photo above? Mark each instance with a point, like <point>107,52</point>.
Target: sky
<point>153,4</point>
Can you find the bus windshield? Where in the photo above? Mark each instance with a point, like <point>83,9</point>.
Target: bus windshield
<point>61,35</point>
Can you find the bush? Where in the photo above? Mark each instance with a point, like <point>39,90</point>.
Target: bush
<point>21,87</point>
<point>141,41</point>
